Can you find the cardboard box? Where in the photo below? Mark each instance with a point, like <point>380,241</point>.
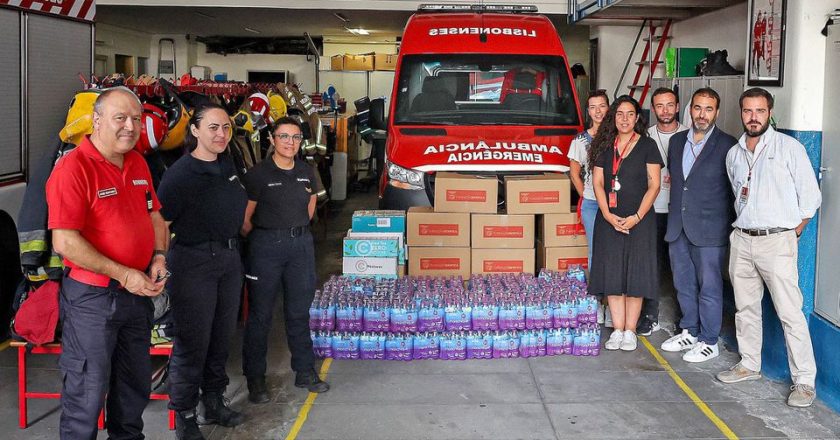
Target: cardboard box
<point>502,260</point>
<point>466,193</point>
<point>386,61</point>
<point>496,231</point>
<point>379,221</point>
<point>398,236</point>
<point>429,228</point>
<point>359,62</point>
<point>547,193</point>
<point>439,261</point>
<point>556,230</point>
<point>337,62</point>
<point>371,247</point>
<point>560,258</point>
<point>379,267</point>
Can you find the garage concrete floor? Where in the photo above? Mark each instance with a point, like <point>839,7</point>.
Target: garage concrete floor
<point>615,395</point>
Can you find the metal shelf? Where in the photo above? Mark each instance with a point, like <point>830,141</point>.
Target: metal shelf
<point>631,12</point>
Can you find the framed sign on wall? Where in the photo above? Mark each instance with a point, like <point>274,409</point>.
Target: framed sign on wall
<point>766,52</point>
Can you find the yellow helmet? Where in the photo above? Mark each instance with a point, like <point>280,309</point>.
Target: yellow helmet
<point>179,121</point>
<point>244,119</point>
<point>277,106</point>
<point>79,120</point>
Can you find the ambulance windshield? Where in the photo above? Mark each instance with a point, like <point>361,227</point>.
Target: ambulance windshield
<point>484,89</point>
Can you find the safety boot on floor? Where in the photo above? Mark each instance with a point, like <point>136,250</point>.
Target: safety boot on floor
<point>309,379</point>
<point>217,411</point>
<point>257,391</point>
<point>186,426</point>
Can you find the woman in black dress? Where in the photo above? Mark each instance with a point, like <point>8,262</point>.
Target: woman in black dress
<point>626,166</point>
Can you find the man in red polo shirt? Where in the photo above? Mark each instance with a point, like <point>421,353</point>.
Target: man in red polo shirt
<point>103,213</point>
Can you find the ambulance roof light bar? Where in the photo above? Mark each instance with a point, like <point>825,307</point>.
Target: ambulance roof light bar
<point>511,9</point>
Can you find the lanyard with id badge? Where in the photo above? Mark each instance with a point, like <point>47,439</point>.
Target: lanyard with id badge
<point>618,159</point>
<point>744,193</point>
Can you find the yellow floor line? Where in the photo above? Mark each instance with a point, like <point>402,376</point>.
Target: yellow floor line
<point>310,399</point>
<point>5,344</point>
<point>721,425</point>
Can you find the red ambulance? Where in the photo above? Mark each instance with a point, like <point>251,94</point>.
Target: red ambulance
<point>478,89</point>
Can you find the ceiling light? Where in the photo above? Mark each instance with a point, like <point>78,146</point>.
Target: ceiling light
<point>253,31</point>
<point>357,31</point>
<point>341,17</point>
<point>202,14</point>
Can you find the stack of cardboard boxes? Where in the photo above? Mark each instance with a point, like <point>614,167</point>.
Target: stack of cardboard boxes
<point>374,246</point>
<point>465,234</point>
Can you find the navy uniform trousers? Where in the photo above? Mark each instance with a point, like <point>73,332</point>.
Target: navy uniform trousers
<point>279,262</point>
<point>204,292</point>
<point>105,350</point>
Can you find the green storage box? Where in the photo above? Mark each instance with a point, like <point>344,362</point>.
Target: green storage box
<point>682,61</point>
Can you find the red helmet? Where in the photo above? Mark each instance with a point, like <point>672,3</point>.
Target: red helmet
<point>259,104</point>
<point>153,129</point>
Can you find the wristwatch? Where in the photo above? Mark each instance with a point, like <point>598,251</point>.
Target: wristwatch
<point>159,252</point>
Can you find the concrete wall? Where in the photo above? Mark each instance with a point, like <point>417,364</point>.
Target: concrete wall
<point>799,101</point>
<point>614,46</point>
<point>721,29</point>
<point>112,41</point>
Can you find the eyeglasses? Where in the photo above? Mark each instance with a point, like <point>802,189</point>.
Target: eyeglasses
<point>285,137</point>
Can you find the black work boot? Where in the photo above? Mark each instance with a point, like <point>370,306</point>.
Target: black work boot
<point>309,379</point>
<point>217,411</point>
<point>257,391</point>
<point>186,426</point>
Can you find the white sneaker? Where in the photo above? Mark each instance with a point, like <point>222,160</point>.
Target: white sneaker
<point>701,352</point>
<point>629,342</point>
<point>615,341</point>
<point>680,342</point>
<point>600,313</point>
<point>607,317</point>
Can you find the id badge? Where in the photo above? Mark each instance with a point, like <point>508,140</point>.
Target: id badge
<point>666,182</point>
<point>745,194</point>
<point>613,199</point>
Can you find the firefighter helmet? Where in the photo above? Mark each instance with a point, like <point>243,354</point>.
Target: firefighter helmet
<point>79,120</point>
<point>153,129</point>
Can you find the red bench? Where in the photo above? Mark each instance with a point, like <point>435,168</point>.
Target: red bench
<point>55,348</point>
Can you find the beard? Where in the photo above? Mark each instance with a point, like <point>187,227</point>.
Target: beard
<point>665,120</point>
<point>695,124</point>
<point>756,133</point>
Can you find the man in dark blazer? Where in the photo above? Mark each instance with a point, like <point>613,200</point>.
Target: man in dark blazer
<point>700,218</point>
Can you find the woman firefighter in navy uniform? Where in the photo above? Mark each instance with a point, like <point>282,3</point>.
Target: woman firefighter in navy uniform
<point>204,204</point>
<point>281,257</point>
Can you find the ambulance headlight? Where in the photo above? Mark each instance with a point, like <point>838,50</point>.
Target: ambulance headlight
<point>405,175</point>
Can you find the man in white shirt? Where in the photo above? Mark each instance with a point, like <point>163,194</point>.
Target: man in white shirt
<point>776,194</point>
<point>665,104</point>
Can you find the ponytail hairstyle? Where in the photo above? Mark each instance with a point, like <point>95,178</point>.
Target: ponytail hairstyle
<point>190,142</point>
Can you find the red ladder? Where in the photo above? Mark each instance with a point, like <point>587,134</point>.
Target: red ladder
<point>650,62</point>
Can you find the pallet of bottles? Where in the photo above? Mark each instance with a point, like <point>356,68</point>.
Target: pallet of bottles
<point>506,315</point>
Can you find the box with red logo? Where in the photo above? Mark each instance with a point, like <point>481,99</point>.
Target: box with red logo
<point>439,261</point>
<point>555,230</point>
<point>503,260</point>
<point>547,193</point>
<point>428,228</point>
<point>560,258</point>
<point>494,231</point>
<point>466,193</point>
